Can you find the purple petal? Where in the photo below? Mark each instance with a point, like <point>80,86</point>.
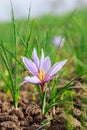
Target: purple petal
<point>56,67</point>
<point>42,59</point>
<point>35,58</point>
<point>59,41</point>
<point>30,66</point>
<point>34,80</point>
<point>48,78</point>
<point>46,64</point>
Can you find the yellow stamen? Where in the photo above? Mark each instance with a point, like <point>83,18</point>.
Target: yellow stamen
<point>42,74</point>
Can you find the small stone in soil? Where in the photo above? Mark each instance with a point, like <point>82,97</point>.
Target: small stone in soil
<point>77,113</point>
<point>8,124</point>
<point>18,113</point>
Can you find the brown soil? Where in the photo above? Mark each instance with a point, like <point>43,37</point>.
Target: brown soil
<point>28,115</point>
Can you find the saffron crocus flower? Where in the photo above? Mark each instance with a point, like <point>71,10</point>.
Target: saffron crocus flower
<point>41,69</point>
<point>59,41</point>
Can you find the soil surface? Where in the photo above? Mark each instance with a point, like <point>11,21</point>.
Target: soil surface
<point>28,114</point>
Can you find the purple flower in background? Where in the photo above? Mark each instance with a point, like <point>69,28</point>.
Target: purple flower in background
<point>41,69</point>
<point>59,41</point>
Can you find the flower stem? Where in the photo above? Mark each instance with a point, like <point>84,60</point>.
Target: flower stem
<point>53,110</point>
<point>43,88</point>
<point>44,102</point>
